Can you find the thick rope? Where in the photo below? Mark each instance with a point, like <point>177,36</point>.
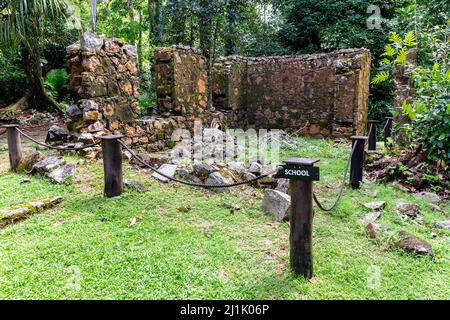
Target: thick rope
<point>192,184</point>
<point>2,133</point>
<point>341,191</point>
<point>54,147</point>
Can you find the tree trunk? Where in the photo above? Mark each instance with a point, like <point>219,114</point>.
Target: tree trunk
<point>35,92</point>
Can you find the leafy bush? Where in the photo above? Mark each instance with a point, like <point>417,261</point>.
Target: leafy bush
<point>430,112</point>
<point>56,82</point>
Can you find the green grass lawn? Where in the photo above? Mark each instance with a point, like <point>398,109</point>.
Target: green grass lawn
<point>86,248</point>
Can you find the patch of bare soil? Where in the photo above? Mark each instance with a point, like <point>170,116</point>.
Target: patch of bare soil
<point>411,170</point>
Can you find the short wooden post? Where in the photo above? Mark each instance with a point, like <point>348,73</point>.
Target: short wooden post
<point>112,164</point>
<point>388,129</point>
<point>357,161</point>
<point>301,175</point>
<point>14,145</point>
<point>373,134</point>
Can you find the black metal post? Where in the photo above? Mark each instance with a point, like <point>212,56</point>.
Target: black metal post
<point>301,257</point>
<point>388,129</point>
<point>14,145</point>
<point>373,134</point>
<point>112,164</point>
<point>357,161</point>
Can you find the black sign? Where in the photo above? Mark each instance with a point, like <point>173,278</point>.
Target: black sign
<point>304,173</point>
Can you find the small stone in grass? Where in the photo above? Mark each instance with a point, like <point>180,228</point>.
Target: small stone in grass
<point>443,225</point>
<point>413,244</point>
<point>432,197</point>
<point>377,205</point>
<point>371,217</point>
<point>408,209</point>
<point>372,230</point>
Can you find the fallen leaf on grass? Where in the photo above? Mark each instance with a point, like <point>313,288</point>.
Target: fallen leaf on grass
<point>134,220</point>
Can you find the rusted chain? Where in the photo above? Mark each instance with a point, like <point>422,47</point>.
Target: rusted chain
<point>192,184</point>
<point>54,147</point>
<point>341,190</point>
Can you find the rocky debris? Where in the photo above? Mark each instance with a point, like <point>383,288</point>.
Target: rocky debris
<point>408,209</point>
<point>216,178</point>
<point>60,175</point>
<point>153,160</point>
<point>135,185</point>
<point>49,164</point>
<point>413,244</point>
<point>376,205</point>
<point>372,230</point>
<point>276,203</point>
<point>256,168</point>
<point>168,169</point>
<point>24,211</point>
<point>238,167</point>
<point>57,134</point>
<point>371,217</point>
<point>408,170</point>
<point>184,175</point>
<point>202,170</point>
<point>96,127</point>
<point>443,225</point>
<point>28,161</point>
<point>428,196</point>
<point>73,111</point>
<point>370,193</point>
<point>283,185</point>
<point>86,138</point>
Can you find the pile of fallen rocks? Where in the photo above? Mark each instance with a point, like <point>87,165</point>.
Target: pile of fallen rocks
<point>380,233</point>
<point>54,168</point>
<point>410,170</point>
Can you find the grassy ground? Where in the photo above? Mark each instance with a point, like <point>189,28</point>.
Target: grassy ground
<point>86,248</point>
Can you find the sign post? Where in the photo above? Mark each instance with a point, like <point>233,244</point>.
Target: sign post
<point>373,134</point>
<point>14,145</point>
<point>112,164</point>
<point>301,174</point>
<point>388,129</point>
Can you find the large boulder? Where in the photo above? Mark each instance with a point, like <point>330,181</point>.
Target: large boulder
<point>60,175</point>
<point>49,164</point>
<point>57,134</point>
<point>276,203</point>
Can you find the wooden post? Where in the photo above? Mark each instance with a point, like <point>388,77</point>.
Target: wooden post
<point>301,256</point>
<point>112,165</point>
<point>373,134</point>
<point>357,161</point>
<point>14,145</point>
<point>388,129</point>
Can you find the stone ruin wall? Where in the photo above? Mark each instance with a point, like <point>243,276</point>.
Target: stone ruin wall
<point>318,95</point>
<point>103,77</point>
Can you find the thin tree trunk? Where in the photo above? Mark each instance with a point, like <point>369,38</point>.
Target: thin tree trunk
<point>35,93</point>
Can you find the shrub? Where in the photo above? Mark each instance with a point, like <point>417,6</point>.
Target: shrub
<point>56,82</point>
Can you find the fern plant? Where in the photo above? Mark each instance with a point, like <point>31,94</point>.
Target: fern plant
<point>395,52</point>
<point>56,82</point>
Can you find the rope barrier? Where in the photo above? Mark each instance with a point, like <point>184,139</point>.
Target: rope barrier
<point>192,184</point>
<point>2,133</point>
<point>341,190</point>
<point>54,147</point>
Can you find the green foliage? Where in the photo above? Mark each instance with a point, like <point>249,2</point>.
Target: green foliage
<point>430,112</point>
<point>396,52</point>
<point>56,82</point>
